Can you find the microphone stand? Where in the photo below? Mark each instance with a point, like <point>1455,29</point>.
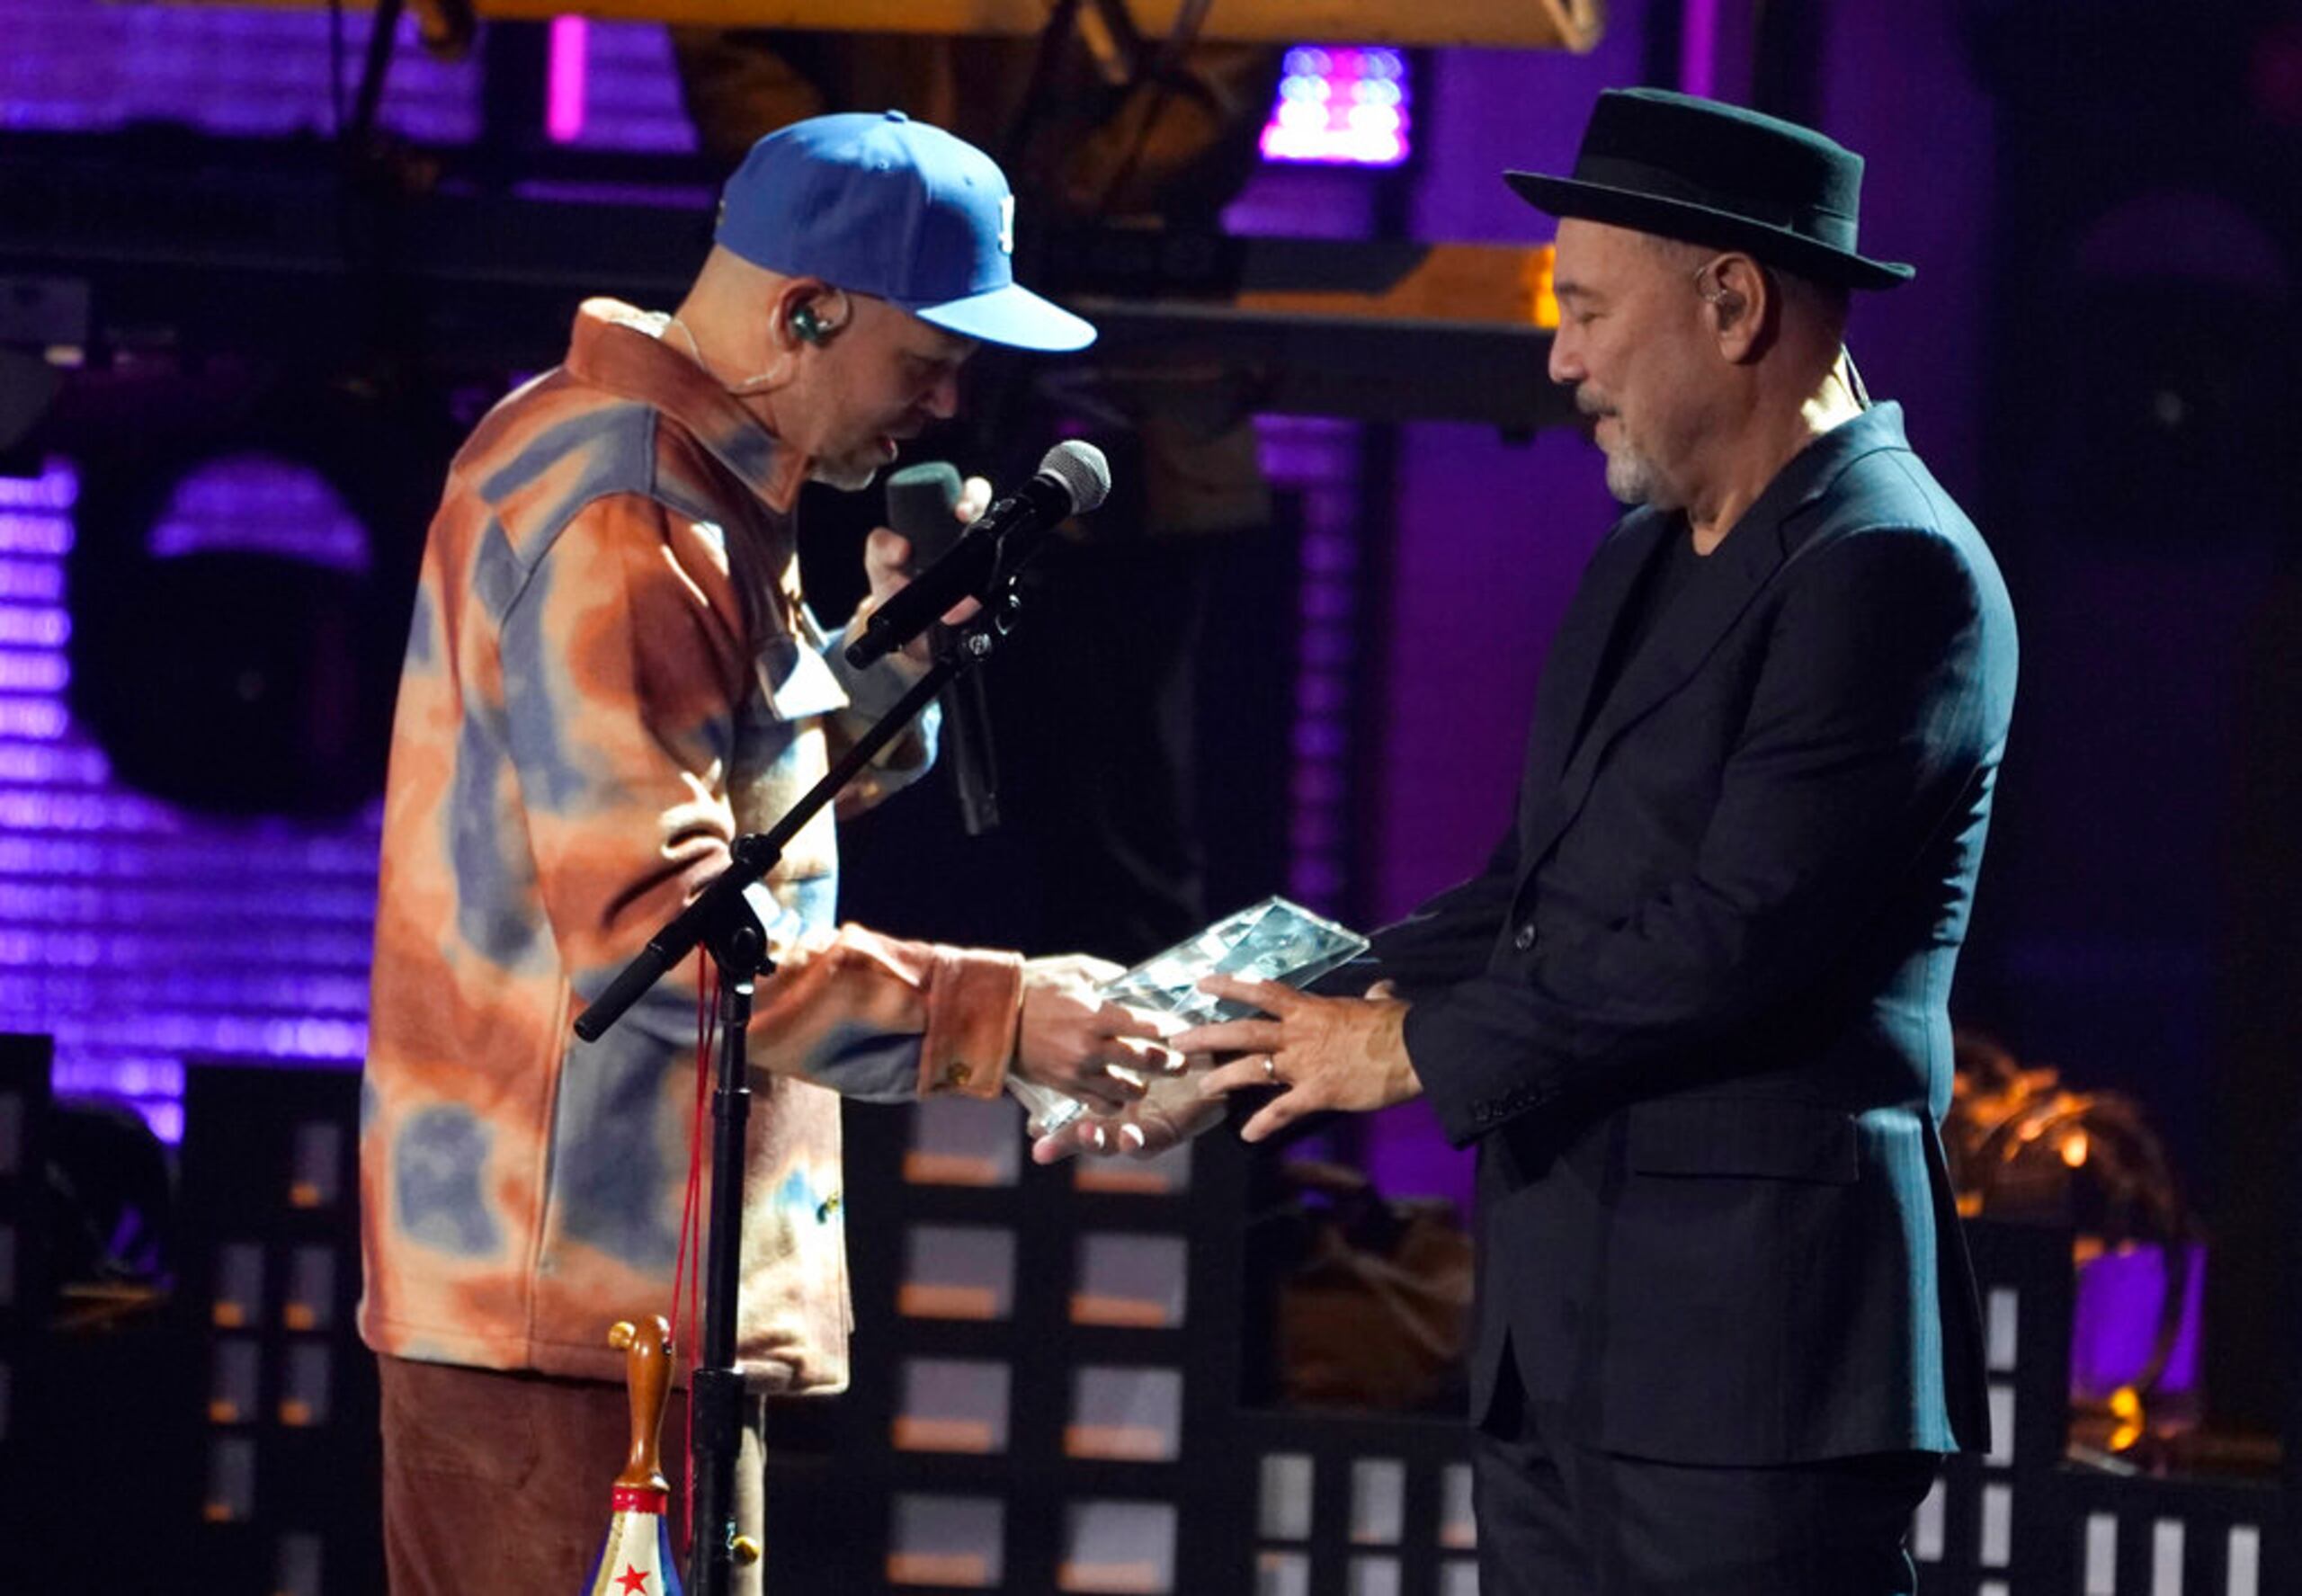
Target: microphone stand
<point>722,921</point>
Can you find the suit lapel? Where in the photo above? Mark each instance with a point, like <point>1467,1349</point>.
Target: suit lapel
<point>1673,650</point>
<point>1560,767</point>
<point>1563,693</point>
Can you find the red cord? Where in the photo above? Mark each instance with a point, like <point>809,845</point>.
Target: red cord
<point>691,1231</point>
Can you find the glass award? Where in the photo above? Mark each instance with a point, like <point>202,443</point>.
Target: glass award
<point>1271,940</point>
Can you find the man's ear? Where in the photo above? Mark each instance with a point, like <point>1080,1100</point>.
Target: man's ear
<point>806,310</point>
<point>1741,301</point>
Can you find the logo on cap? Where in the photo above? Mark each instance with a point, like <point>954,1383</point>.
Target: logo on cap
<point>1007,225</point>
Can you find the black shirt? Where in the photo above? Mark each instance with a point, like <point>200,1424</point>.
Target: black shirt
<point>1669,572</point>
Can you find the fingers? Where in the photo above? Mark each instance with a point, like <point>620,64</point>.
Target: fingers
<point>1072,1140</point>
<point>1231,1036</point>
<point>1273,997</point>
<point>1101,1139</point>
<point>1236,1076</point>
<point>1131,1066</point>
<point>1114,1020</point>
<point>1100,1090</point>
<point>1151,1060</point>
<point>1301,1098</point>
<point>1276,1115</point>
<point>887,554</point>
<point>975,498</point>
<point>1146,1131</point>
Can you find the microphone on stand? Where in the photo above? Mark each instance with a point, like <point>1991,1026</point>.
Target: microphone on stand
<point>1073,478</point>
<point>919,500</point>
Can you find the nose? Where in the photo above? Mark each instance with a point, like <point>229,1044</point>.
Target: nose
<point>942,397</point>
<point>1565,364</point>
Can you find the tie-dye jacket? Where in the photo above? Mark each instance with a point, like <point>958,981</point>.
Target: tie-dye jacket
<point>609,676</point>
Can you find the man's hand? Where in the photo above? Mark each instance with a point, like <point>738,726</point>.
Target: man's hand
<point>1343,1053</point>
<point>886,565</point>
<point>1072,1040</point>
<point>1170,1112</point>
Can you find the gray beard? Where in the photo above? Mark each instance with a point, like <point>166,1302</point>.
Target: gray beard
<point>1631,476</point>
<point>1632,479</point>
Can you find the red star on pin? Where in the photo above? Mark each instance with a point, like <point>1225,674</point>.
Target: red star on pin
<point>632,1580</point>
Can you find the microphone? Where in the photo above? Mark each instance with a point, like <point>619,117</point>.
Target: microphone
<point>1073,478</point>
<point>919,505</point>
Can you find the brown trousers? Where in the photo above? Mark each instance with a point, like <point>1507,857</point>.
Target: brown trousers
<point>499,1482</point>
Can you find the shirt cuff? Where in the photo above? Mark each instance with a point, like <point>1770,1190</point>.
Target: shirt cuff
<point>974,1010</point>
<point>873,689</point>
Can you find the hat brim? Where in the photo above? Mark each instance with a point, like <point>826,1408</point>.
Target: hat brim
<point>1012,316</point>
<point>1701,224</point>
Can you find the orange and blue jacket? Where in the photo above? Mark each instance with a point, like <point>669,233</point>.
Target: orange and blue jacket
<point>611,673</point>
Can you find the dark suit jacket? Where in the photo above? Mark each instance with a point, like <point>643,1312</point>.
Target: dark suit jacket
<point>1693,1012</point>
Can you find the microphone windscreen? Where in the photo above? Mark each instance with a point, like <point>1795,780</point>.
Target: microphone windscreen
<point>1082,470</point>
<point>919,505</point>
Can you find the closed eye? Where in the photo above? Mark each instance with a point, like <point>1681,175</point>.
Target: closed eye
<point>927,372</point>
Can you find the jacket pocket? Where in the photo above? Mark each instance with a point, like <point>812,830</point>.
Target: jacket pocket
<point>1770,1139</point>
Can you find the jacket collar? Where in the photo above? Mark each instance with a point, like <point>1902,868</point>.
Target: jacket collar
<point>623,350</point>
<point>1810,473</point>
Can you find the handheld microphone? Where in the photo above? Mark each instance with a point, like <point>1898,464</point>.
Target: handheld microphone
<point>1073,478</point>
<point>919,505</point>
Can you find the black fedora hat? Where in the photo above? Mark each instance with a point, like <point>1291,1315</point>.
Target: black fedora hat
<point>1684,167</point>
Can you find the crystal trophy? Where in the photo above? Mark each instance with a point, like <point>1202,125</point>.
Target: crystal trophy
<point>1271,940</point>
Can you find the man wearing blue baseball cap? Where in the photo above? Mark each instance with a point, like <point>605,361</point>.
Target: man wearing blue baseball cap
<point>611,673</point>
<point>860,260</point>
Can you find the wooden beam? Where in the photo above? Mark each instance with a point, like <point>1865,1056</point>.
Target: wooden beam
<point>1497,24</point>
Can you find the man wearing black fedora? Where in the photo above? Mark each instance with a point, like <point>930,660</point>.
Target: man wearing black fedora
<point>1693,1013</point>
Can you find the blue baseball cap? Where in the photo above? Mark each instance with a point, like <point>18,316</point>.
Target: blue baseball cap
<point>903,212</point>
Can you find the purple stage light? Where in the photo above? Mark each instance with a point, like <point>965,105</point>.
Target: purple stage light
<point>1318,459</point>
<point>136,933</point>
<point>32,671</point>
<point>614,86</point>
<point>1699,48</point>
<point>1340,106</point>
<point>258,503</point>
<point>2119,1317</point>
<point>36,626</point>
<point>23,533</point>
<point>30,579</point>
<point>34,765</point>
<point>55,488</point>
<point>564,98</point>
<point>83,66</point>
<point>31,719</point>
